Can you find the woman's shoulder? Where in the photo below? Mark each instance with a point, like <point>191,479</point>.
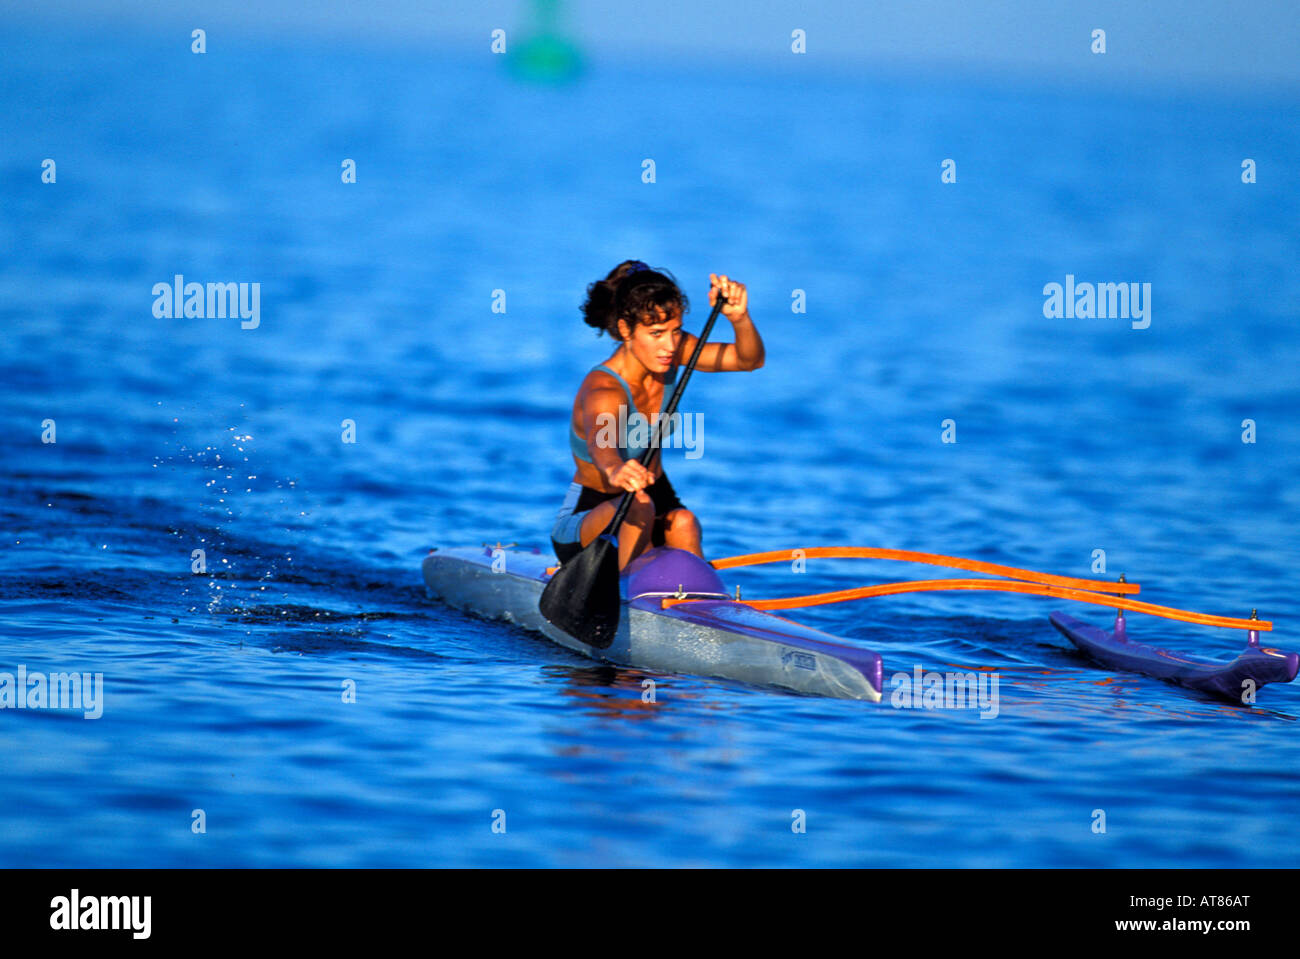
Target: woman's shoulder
<point>599,379</point>
<point>600,376</point>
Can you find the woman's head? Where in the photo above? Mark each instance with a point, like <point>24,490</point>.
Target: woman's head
<point>633,294</point>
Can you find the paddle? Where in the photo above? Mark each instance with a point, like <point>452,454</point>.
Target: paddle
<point>582,598</point>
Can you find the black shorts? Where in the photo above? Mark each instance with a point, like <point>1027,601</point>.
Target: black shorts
<point>580,500</point>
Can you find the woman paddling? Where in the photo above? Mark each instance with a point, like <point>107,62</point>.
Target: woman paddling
<point>642,308</point>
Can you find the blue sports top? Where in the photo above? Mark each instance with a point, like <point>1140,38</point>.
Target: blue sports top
<point>578,444</point>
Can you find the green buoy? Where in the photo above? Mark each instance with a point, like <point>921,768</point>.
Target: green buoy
<point>545,54</point>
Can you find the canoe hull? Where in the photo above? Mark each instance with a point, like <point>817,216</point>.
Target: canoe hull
<point>715,637</point>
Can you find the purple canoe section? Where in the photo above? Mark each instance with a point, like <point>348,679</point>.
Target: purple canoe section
<point>664,570</point>
<point>1258,664</point>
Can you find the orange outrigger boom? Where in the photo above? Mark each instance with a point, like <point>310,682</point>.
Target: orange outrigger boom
<point>1013,580</point>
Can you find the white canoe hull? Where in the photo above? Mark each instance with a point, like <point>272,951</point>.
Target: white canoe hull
<point>717,638</point>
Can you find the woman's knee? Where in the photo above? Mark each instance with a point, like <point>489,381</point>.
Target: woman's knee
<point>681,521</point>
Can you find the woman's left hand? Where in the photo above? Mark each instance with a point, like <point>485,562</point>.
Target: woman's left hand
<point>737,305</point>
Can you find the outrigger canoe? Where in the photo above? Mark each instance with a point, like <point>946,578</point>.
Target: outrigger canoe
<point>669,610</point>
<point>678,617</point>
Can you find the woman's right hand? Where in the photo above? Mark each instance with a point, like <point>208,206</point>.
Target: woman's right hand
<point>630,475</point>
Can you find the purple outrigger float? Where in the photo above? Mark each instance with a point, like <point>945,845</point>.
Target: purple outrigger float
<point>1256,666</point>
<point>706,632</point>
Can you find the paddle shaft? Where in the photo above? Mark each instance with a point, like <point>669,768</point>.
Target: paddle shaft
<point>683,378</point>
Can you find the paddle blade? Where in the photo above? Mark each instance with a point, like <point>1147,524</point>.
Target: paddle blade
<point>582,598</point>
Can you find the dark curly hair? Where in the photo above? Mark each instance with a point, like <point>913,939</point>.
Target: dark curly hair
<point>632,292</point>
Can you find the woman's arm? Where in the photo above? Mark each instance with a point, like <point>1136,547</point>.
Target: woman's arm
<point>600,421</point>
<point>747,352</point>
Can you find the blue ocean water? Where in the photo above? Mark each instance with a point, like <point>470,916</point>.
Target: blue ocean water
<point>223,692</point>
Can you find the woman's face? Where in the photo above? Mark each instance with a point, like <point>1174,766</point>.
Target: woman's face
<point>654,340</point>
